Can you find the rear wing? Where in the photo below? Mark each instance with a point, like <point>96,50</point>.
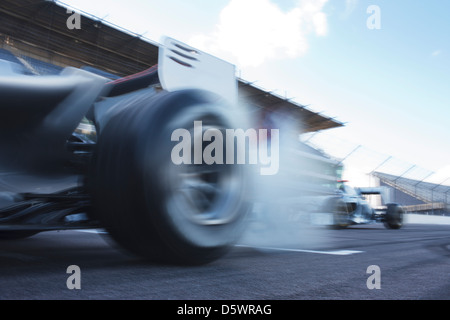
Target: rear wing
<point>384,192</point>
<point>183,67</point>
<point>370,190</point>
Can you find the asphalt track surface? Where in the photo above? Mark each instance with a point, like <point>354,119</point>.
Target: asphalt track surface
<point>320,264</point>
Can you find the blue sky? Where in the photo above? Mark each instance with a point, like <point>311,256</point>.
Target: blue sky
<point>391,86</point>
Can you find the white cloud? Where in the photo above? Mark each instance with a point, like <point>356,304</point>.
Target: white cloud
<point>436,53</point>
<point>253,32</point>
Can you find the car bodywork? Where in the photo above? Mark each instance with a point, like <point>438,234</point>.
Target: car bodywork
<point>350,207</point>
<point>56,134</point>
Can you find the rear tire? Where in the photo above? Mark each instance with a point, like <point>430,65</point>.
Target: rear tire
<point>184,214</point>
<point>394,216</point>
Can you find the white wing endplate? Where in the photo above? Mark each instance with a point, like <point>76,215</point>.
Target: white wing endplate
<point>183,67</point>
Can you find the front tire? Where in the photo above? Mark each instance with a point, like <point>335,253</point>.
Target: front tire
<point>340,215</point>
<point>184,214</point>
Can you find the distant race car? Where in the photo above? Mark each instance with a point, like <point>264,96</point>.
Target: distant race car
<point>349,207</point>
<point>82,151</point>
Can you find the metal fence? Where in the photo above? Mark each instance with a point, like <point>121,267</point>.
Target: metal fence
<point>366,167</point>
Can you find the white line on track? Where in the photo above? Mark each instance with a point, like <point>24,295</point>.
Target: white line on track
<point>97,231</point>
<point>334,252</point>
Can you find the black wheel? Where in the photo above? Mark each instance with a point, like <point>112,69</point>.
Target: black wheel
<point>155,208</point>
<point>16,235</point>
<point>394,216</point>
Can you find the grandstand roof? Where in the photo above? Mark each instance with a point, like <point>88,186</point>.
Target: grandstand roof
<point>39,28</point>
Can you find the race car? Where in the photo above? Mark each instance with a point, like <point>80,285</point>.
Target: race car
<point>349,207</point>
<point>79,151</point>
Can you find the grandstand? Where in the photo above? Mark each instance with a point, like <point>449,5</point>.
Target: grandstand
<point>417,196</point>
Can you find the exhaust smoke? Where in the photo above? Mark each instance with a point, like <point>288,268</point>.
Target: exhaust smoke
<point>285,204</point>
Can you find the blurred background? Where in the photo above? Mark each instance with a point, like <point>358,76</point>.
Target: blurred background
<point>374,102</point>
